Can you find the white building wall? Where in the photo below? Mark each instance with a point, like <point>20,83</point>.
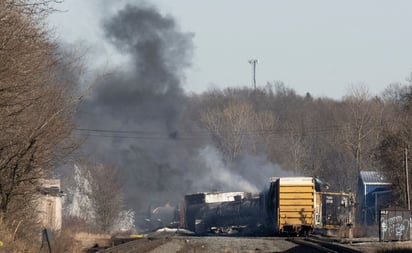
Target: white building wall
<point>50,206</point>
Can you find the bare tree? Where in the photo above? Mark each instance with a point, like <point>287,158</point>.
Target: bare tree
<point>106,195</point>
<point>94,195</point>
<point>236,126</point>
<point>297,149</point>
<point>396,137</point>
<point>362,116</point>
<point>229,126</point>
<point>264,127</point>
<point>390,155</point>
<point>36,107</point>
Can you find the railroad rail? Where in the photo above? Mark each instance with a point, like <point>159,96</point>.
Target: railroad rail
<point>323,245</point>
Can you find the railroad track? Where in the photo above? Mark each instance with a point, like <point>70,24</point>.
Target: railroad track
<point>213,244</point>
<point>323,245</point>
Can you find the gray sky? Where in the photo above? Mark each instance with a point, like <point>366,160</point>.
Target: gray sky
<point>317,46</point>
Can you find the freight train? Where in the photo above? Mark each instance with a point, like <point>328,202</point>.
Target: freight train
<point>290,205</point>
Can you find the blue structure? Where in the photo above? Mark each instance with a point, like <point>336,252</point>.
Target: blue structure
<point>374,192</point>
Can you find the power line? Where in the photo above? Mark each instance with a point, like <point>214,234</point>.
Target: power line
<point>163,135</point>
<point>118,131</point>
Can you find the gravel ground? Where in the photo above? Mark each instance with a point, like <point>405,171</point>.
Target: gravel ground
<point>187,244</point>
<point>213,244</point>
<point>233,244</point>
<point>373,247</point>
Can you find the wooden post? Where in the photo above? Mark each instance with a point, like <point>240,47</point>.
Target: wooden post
<point>407,179</point>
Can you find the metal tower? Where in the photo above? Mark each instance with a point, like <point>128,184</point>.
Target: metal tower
<point>253,62</point>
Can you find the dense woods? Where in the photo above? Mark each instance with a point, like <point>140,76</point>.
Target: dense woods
<point>322,137</point>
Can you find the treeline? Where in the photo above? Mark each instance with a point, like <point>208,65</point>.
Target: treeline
<point>322,137</point>
<point>36,117</point>
<point>39,95</point>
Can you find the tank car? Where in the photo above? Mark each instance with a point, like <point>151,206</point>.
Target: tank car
<point>222,212</point>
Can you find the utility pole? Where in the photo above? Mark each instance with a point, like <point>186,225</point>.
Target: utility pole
<point>407,179</point>
<point>254,62</point>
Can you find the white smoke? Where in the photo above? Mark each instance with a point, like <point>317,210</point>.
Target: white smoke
<point>221,175</point>
<point>77,202</point>
<point>125,221</point>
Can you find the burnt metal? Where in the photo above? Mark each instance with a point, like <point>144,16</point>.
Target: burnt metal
<point>241,214</point>
<point>334,209</point>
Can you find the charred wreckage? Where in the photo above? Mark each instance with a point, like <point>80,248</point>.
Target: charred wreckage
<point>289,206</point>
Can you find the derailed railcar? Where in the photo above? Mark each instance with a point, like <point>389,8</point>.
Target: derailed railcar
<point>222,212</point>
<point>291,205</point>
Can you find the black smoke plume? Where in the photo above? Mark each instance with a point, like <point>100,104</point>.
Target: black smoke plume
<point>142,103</point>
<point>144,100</point>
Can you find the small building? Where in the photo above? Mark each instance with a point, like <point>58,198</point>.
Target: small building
<point>374,193</point>
<point>50,204</point>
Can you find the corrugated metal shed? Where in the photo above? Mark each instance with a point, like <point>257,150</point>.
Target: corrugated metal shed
<point>373,177</point>
<point>372,189</point>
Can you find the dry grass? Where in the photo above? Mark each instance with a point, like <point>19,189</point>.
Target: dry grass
<point>12,240</point>
<point>64,242</point>
<point>396,250</point>
<point>18,238</point>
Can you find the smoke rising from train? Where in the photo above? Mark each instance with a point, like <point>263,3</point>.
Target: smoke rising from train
<point>147,98</point>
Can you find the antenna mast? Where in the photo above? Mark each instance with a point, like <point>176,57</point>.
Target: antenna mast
<point>253,62</point>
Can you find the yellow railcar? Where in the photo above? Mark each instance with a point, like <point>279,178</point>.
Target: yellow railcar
<point>293,204</point>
